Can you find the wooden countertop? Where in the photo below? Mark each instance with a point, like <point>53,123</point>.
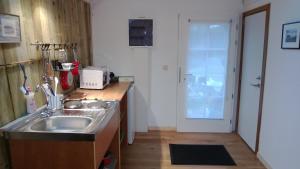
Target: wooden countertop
<point>112,92</point>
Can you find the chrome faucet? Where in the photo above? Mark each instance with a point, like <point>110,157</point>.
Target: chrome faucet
<point>41,87</point>
<point>48,112</point>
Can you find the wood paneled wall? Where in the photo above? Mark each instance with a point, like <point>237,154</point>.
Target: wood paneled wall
<point>49,21</point>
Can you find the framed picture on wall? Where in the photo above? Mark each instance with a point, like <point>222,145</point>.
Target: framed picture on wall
<point>10,31</point>
<point>290,36</point>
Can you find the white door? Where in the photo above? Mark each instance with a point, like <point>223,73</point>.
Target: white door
<point>205,76</point>
<point>254,33</point>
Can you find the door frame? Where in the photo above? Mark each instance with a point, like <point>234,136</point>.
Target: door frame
<point>266,8</point>
<point>232,57</point>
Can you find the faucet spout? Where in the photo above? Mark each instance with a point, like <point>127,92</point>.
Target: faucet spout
<point>42,88</point>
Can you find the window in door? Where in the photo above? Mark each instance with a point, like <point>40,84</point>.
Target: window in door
<point>206,69</point>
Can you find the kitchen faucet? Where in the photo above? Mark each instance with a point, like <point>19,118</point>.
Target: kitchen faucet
<point>45,87</point>
<point>48,112</point>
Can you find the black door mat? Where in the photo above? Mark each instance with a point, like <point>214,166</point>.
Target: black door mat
<point>183,154</point>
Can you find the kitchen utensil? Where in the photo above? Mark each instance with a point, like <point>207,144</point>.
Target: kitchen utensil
<point>46,89</point>
<point>23,90</point>
<point>55,102</point>
<point>67,66</point>
<point>51,90</point>
<point>55,87</point>
<point>56,65</point>
<point>66,79</point>
<point>25,79</point>
<point>63,56</point>
<point>30,103</point>
<point>76,62</point>
<point>50,71</point>
<point>46,63</point>
<point>75,71</point>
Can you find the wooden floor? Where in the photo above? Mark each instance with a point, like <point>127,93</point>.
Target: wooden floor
<point>151,150</point>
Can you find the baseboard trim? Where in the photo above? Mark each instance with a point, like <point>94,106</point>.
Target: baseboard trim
<point>162,129</point>
<point>263,161</point>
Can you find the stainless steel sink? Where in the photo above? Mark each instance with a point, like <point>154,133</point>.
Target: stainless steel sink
<point>62,124</point>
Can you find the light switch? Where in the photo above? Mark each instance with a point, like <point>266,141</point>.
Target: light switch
<point>165,67</point>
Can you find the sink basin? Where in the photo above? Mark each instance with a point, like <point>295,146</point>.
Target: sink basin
<point>62,124</point>
<point>71,123</point>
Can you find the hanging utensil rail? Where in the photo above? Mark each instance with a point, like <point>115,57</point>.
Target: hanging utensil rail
<point>54,45</point>
<point>14,64</point>
<point>43,46</point>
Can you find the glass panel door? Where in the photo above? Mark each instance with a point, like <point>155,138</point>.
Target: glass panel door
<point>206,70</point>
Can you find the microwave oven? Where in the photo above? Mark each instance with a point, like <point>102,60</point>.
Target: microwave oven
<point>94,77</point>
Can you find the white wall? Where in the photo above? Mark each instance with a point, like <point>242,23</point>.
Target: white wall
<point>157,86</point>
<point>280,138</point>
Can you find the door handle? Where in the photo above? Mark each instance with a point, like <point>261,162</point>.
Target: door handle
<point>256,85</point>
<point>258,78</point>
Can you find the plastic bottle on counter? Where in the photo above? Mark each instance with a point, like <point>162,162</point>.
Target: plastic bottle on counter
<point>30,103</point>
